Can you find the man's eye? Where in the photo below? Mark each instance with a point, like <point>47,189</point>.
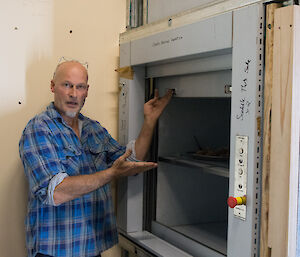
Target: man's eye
<point>81,87</point>
<point>67,84</point>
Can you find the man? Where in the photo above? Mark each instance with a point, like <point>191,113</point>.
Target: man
<point>69,161</point>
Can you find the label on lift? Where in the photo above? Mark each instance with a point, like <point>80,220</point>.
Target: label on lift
<point>240,176</point>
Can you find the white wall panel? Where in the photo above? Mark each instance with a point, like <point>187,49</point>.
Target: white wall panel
<point>34,35</point>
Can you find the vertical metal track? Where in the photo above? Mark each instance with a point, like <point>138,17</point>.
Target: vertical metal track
<point>150,177</point>
<point>259,115</point>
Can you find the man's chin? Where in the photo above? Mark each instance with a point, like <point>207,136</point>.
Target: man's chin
<point>71,114</point>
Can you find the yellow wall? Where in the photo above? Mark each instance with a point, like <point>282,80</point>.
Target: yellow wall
<point>34,35</point>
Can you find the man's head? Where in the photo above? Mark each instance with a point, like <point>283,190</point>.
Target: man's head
<point>70,88</point>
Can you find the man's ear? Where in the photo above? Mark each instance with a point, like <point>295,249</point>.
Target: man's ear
<point>87,90</point>
<point>52,86</point>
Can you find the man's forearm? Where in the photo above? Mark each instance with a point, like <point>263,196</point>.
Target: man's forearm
<point>75,186</point>
<point>143,141</point>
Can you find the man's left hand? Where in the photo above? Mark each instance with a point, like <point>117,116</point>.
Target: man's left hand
<point>154,107</point>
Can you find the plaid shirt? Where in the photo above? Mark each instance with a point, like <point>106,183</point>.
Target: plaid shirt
<point>84,226</point>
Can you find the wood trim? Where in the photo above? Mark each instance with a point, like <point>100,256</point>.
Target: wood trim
<point>265,251</point>
<point>284,136</point>
<point>295,133</point>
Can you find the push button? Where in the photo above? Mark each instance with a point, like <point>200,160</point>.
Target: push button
<point>234,201</point>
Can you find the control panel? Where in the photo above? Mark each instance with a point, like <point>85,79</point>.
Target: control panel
<point>240,176</point>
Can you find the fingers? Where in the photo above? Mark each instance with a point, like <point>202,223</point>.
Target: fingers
<point>138,167</point>
<point>166,98</point>
<point>145,165</point>
<point>169,94</point>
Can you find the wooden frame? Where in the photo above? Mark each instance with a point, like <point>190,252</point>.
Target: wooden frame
<point>284,158</point>
<point>265,251</point>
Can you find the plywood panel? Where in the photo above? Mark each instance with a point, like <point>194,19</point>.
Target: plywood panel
<point>270,9</point>
<point>284,135</point>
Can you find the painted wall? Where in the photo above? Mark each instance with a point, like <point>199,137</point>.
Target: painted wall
<point>34,35</point>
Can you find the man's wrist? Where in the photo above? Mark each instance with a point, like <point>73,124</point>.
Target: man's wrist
<point>110,174</point>
<point>150,122</point>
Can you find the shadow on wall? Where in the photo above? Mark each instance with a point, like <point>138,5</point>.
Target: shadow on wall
<point>13,183</point>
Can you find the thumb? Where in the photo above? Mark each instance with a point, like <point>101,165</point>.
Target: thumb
<point>127,154</point>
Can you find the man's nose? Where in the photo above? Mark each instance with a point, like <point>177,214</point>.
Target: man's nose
<point>73,92</point>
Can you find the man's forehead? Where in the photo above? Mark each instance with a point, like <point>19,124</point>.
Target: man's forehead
<point>69,66</point>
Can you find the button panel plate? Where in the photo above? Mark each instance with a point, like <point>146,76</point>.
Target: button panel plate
<point>240,177</point>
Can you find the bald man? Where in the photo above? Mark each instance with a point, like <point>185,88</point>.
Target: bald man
<point>69,161</point>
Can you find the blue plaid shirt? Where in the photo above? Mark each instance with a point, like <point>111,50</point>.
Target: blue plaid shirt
<point>85,226</point>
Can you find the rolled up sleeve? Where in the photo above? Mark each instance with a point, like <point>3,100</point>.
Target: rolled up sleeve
<point>54,182</point>
<point>131,146</point>
<point>41,163</point>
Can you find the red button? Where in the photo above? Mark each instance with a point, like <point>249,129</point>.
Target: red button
<point>231,201</point>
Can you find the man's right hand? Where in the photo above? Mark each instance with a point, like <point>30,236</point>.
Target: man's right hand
<point>122,167</point>
<point>75,186</point>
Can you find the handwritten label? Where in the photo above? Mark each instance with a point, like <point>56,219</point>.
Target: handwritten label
<point>245,104</point>
<point>166,41</point>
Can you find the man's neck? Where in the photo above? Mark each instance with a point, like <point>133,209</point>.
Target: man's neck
<point>72,122</point>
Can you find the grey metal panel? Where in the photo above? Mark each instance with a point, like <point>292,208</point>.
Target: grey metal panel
<point>206,64</point>
<point>125,54</point>
<point>135,203</point>
<point>193,118</point>
<point>181,203</point>
<point>208,84</point>
<point>131,116</point>
<point>207,35</point>
<point>246,114</point>
<point>135,122</point>
<point>136,102</point>
<point>159,9</point>
<point>122,195</point>
<point>155,245</point>
<point>123,111</point>
<point>122,204</point>
<point>246,106</point>
<point>183,242</point>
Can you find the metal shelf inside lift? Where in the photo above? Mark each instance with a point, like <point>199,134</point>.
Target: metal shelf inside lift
<point>210,235</point>
<point>214,235</point>
<point>219,168</point>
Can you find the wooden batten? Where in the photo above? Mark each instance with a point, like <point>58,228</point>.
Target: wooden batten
<point>284,158</point>
<point>265,251</point>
